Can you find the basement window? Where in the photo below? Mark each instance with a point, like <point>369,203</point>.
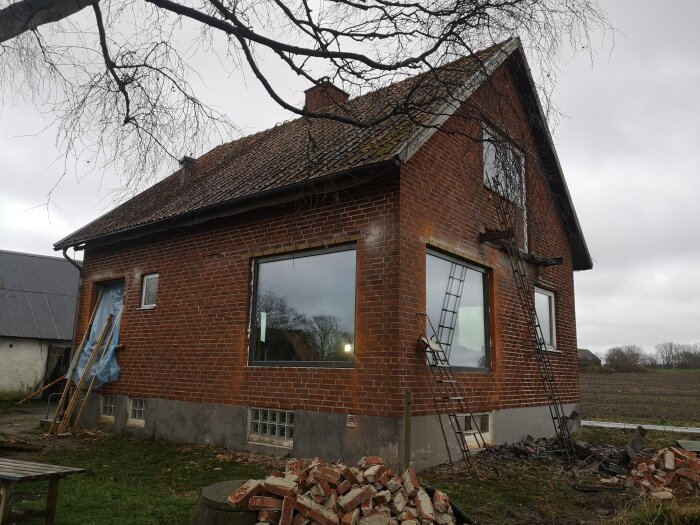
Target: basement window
<point>304,309</point>
<point>108,407</point>
<point>456,303</point>
<point>482,423</point>
<point>271,427</point>
<point>149,291</point>
<point>544,307</point>
<point>137,412</point>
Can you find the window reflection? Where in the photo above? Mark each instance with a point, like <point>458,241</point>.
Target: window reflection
<point>305,308</point>
<point>457,309</point>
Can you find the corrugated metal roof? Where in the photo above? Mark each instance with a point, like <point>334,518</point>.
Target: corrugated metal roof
<point>37,296</point>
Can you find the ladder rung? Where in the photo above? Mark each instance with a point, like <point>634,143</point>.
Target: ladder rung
<point>445,399</point>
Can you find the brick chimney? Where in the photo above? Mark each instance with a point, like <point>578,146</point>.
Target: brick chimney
<point>324,95</point>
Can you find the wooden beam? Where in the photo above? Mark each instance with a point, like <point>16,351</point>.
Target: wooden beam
<point>495,235</point>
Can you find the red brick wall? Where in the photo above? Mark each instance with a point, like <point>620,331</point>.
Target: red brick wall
<point>194,345</point>
<point>444,204</point>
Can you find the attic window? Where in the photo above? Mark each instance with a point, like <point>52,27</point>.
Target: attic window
<point>504,167</point>
<point>149,291</point>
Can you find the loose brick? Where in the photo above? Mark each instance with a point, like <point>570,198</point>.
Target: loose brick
<point>344,487</point>
<point>315,512</point>
<point>294,466</point>
<point>410,482</point>
<point>356,497</point>
<point>394,484</point>
<point>239,498</point>
<point>264,503</point>
<point>349,475</point>
<point>408,514</point>
<point>367,507</point>
<point>409,522</point>
<point>368,461</point>
<point>381,497</point>
<point>375,519</point>
<point>444,518</point>
<point>424,504</point>
<point>385,477</point>
<point>351,518</point>
<point>280,486</point>
<point>441,502</point>
<point>398,502</point>
<point>269,516</point>
<point>374,472</point>
<point>300,519</point>
<point>287,511</point>
<point>328,474</point>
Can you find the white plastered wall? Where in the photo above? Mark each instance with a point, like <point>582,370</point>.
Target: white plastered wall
<point>22,363</point>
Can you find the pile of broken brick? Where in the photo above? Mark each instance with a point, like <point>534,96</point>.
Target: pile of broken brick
<point>660,472</point>
<point>322,494</point>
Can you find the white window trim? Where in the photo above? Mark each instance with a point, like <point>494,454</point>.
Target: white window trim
<point>136,422</point>
<point>143,291</point>
<point>104,417</point>
<point>553,320</point>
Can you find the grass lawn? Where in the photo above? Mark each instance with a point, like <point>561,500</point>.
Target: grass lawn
<point>659,397</point>
<point>130,480</point>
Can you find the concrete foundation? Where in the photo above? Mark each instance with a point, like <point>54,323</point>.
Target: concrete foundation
<point>324,434</point>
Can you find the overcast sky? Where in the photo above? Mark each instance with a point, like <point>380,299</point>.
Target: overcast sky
<point>629,146</point>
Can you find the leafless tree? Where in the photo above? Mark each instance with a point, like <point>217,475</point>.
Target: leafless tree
<point>628,357</point>
<point>667,353</point>
<point>116,75</point>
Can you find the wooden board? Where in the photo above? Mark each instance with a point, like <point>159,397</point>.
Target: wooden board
<point>15,470</point>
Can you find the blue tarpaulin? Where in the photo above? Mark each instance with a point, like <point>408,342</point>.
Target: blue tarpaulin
<point>107,369</point>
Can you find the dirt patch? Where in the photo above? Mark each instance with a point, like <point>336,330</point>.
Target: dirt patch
<point>657,397</point>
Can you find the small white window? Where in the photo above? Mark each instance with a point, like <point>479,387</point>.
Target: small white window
<point>271,427</point>
<point>108,408</point>
<point>544,306</point>
<point>149,292</point>
<point>482,422</point>
<point>137,412</point>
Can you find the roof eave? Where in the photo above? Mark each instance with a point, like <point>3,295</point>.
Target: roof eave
<point>335,181</point>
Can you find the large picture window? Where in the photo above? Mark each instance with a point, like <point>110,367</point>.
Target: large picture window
<point>457,307</point>
<point>304,308</point>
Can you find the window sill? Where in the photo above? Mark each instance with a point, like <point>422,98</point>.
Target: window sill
<point>478,370</point>
<point>302,364</point>
<point>106,419</point>
<point>136,423</point>
<point>553,350</point>
<point>271,442</point>
<point>152,307</point>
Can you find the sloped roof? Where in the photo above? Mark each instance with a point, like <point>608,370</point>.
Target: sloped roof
<point>306,150</point>
<point>37,296</point>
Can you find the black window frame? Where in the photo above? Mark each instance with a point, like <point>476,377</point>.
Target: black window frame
<point>486,272</point>
<point>254,299</point>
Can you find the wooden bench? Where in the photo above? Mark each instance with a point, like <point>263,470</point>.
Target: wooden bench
<point>13,471</point>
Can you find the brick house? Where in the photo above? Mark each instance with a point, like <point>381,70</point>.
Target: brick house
<point>272,285</point>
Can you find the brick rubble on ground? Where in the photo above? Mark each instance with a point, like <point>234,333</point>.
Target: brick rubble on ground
<point>659,472</point>
<point>336,494</point>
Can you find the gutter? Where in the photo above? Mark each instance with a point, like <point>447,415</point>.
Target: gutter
<point>77,300</point>
<point>276,196</point>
